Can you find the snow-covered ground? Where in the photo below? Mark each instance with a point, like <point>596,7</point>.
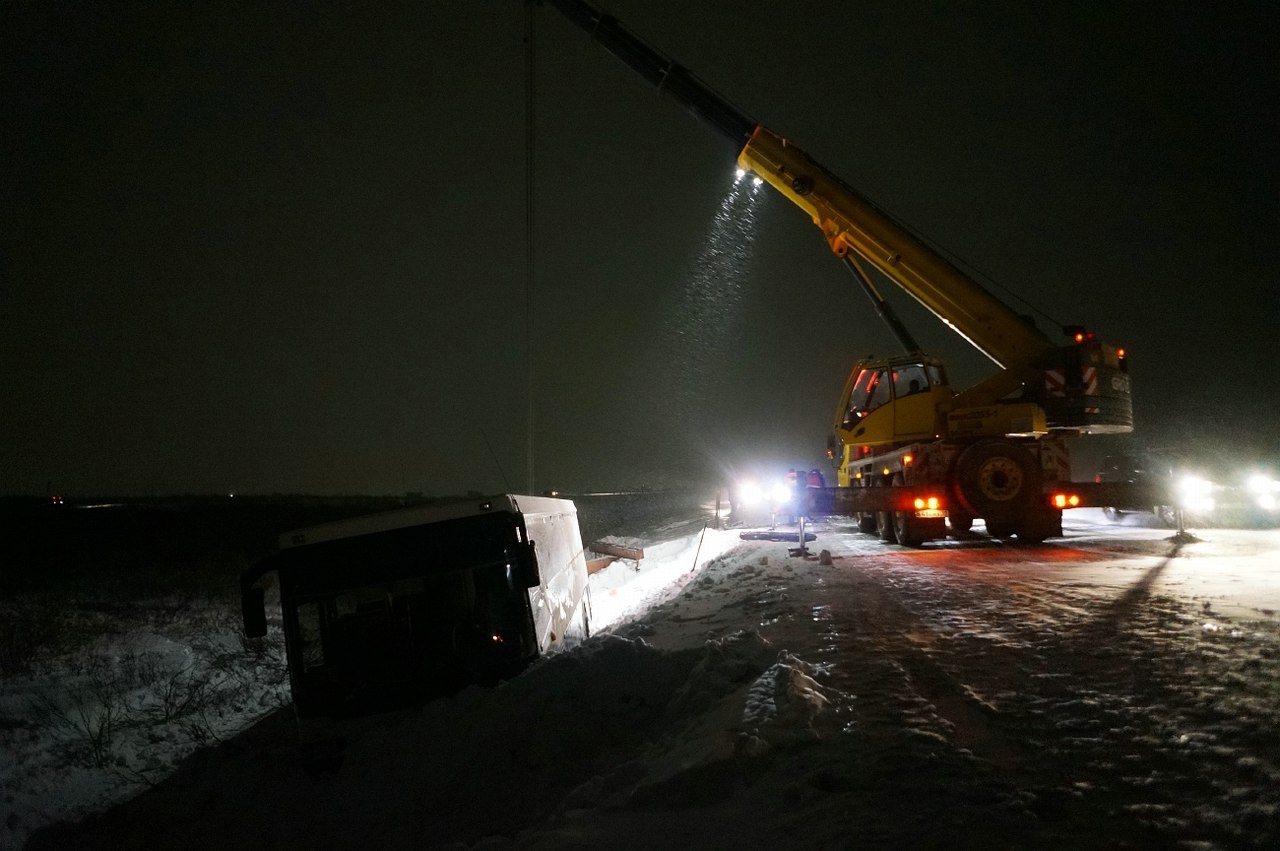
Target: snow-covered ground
<point>1113,689</point>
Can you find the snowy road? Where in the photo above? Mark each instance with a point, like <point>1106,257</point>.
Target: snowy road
<point>1114,679</point>
<point>1112,689</point>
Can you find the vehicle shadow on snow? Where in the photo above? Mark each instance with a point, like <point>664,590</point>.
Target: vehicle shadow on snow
<point>1127,605</point>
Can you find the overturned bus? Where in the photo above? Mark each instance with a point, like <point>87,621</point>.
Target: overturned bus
<point>392,609</point>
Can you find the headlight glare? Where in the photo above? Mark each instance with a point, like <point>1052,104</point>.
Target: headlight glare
<point>1196,493</point>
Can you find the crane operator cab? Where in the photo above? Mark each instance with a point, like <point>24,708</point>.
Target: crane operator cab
<point>894,400</point>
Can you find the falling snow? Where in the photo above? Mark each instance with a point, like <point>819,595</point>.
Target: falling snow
<point>706,319</point>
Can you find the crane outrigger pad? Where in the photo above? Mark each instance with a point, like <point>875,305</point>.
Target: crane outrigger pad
<point>775,535</point>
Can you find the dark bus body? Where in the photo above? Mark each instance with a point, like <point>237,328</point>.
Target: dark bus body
<point>390,610</point>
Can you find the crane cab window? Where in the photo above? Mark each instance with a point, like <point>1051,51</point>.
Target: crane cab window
<point>910,380</point>
<point>870,391</point>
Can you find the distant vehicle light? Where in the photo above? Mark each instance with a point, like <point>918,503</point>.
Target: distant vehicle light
<point>739,174</point>
<point>1261,484</point>
<point>757,181</point>
<point>1265,491</point>
<point>1196,493</point>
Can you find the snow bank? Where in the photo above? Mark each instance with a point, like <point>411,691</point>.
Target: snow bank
<point>627,587</point>
<point>91,729</point>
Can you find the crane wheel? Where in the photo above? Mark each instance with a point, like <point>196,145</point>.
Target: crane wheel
<point>959,522</point>
<point>997,481</point>
<point>885,527</point>
<point>908,532</point>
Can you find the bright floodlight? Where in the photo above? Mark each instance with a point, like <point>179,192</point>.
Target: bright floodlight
<point>750,493</point>
<point>1265,492</point>
<point>1261,484</point>
<point>739,174</point>
<point>756,181</point>
<point>781,493</point>
<point>1196,493</point>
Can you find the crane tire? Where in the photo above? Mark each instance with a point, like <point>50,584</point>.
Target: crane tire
<point>959,521</point>
<point>884,526</point>
<point>997,481</point>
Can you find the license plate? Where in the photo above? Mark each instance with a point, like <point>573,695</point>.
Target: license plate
<point>931,512</point>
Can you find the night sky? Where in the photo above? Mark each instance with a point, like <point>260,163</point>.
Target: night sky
<point>282,249</point>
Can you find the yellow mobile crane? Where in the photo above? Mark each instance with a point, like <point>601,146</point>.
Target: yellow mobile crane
<point>911,453</point>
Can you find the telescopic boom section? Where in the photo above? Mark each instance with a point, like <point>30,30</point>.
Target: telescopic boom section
<point>661,71</point>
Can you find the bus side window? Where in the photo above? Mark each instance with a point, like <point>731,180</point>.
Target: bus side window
<point>309,636</point>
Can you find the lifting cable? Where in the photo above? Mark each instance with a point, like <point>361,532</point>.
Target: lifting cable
<point>528,230</point>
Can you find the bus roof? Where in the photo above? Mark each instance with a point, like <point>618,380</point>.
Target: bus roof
<point>425,514</point>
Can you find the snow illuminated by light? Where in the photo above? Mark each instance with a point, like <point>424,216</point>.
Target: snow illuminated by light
<point>706,320</point>
<point>1113,667</point>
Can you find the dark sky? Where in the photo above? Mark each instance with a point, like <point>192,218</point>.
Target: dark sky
<point>282,249</point>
